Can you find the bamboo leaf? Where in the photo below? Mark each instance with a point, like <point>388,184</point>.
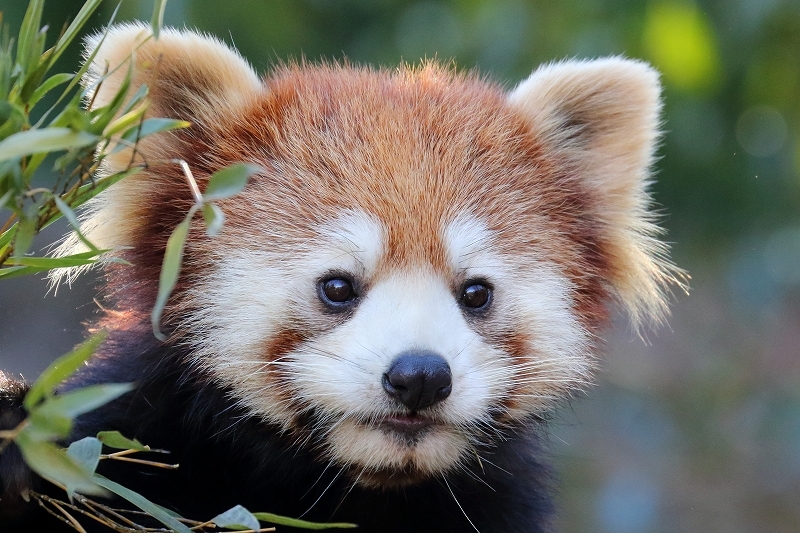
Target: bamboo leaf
<point>115,439</point>
<point>79,401</point>
<point>105,114</point>
<point>51,83</point>
<point>13,118</point>
<point>294,522</point>
<point>125,121</point>
<point>16,271</point>
<point>23,236</point>
<point>158,17</point>
<point>237,518</point>
<point>39,141</point>
<point>170,269</point>
<point>47,263</point>
<point>28,33</point>
<point>5,198</point>
<point>90,190</point>
<point>53,463</point>
<point>157,512</point>
<point>34,79</point>
<point>60,369</point>
<point>151,126</point>
<point>137,97</point>
<point>86,453</point>
<point>48,428</point>
<point>229,181</point>
<point>79,75</point>
<point>214,218</point>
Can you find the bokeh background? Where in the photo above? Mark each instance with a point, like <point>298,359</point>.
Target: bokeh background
<point>697,427</point>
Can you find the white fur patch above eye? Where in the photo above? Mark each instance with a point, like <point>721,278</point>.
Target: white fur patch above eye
<point>354,242</point>
<point>464,238</point>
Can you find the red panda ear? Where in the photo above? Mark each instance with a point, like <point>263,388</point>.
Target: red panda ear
<point>601,118</point>
<point>189,76</point>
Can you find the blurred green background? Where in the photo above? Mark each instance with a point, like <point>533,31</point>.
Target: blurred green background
<point>697,429</point>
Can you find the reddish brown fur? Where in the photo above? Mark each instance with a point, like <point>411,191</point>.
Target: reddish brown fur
<point>414,147</point>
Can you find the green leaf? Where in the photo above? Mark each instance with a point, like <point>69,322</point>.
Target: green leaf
<point>13,119</point>
<point>170,269</point>
<point>151,126</point>
<point>214,218</point>
<point>303,524</point>
<point>115,439</point>
<point>53,463</point>
<point>237,518</point>
<point>229,181</point>
<point>105,114</point>
<point>43,140</point>
<point>86,452</point>
<point>28,33</point>
<point>157,512</point>
<point>48,428</point>
<point>158,17</point>
<point>47,263</point>
<point>24,266</point>
<point>60,369</point>
<point>72,117</point>
<point>23,236</point>
<point>34,79</point>
<point>125,121</point>
<point>5,198</point>
<point>76,99</point>
<point>79,401</point>
<point>75,27</point>
<point>13,272</point>
<point>51,83</point>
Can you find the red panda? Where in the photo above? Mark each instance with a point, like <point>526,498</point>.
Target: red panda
<point>422,268</point>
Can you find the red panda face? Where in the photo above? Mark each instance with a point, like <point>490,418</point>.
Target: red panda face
<point>268,330</point>
<point>423,263</point>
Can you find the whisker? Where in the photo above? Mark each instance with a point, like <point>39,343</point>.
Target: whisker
<point>444,478</point>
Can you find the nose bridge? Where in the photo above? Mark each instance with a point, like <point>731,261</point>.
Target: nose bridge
<point>413,309</point>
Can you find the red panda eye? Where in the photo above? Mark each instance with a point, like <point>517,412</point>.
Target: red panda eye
<point>337,291</point>
<point>476,296</point>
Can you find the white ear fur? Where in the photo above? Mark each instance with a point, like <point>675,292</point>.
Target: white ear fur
<point>601,118</point>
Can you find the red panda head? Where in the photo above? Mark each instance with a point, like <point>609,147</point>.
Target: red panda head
<point>423,263</point>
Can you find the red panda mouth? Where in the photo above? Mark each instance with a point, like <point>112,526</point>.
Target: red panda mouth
<point>408,426</point>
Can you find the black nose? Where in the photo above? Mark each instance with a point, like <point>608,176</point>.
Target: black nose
<point>418,379</point>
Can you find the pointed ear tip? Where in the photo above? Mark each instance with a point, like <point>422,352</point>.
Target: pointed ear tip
<point>122,34</point>
<point>616,66</point>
